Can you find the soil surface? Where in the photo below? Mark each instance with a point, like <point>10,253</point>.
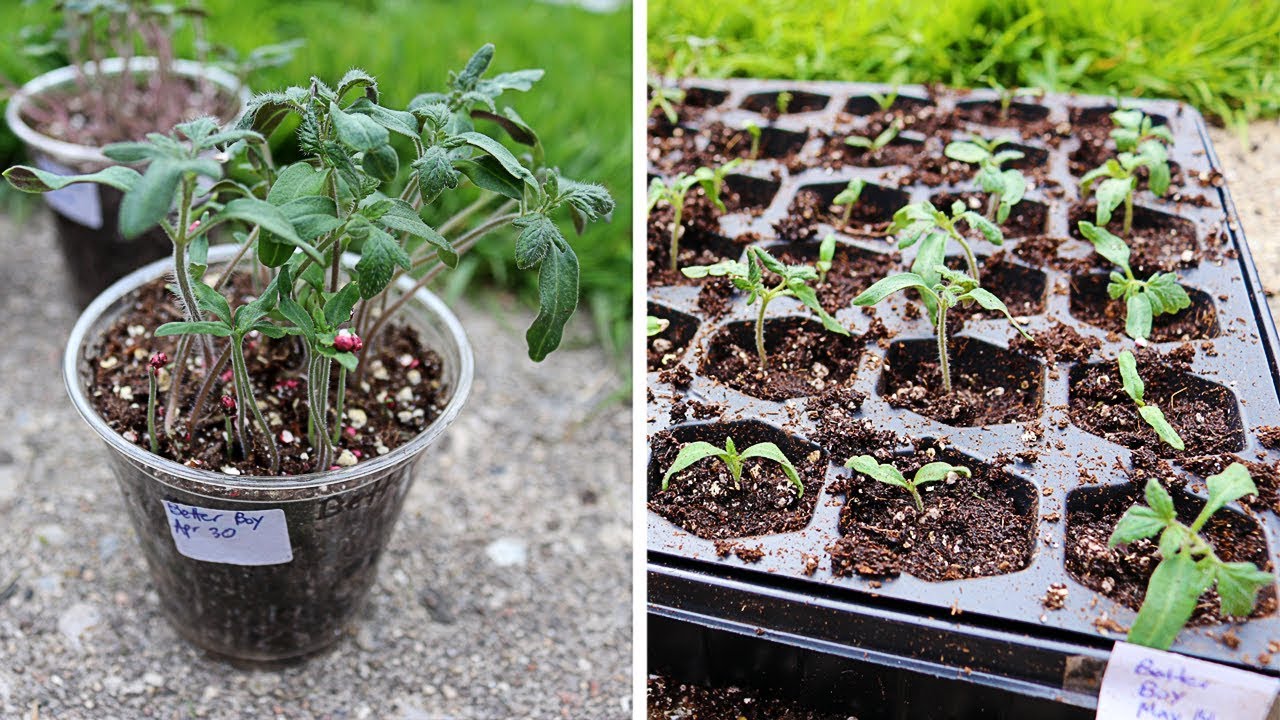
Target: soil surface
<point>969,527</point>
<point>989,386</point>
<point>1122,573</point>
<point>803,358</point>
<point>705,500</point>
<point>673,700</point>
<point>395,399</point>
<point>1205,415</point>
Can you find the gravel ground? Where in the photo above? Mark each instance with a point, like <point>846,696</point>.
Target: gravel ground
<point>498,599</point>
<point>1253,175</point>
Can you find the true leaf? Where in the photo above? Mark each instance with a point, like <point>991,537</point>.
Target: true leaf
<point>358,132</point>
<point>1172,593</point>
<point>1233,483</point>
<point>1155,418</point>
<point>435,173</point>
<point>1238,586</point>
<point>401,217</point>
<point>204,327</point>
<point>33,180</point>
<point>337,309</point>
<point>538,235</point>
<point>498,152</point>
<point>1108,246</point>
<point>382,163</point>
<point>885,287</point>
<point>378,259</point>
<point>1138,522</point>
<point>558,297</point>
<point>488,174</point>
<point>149,201</point>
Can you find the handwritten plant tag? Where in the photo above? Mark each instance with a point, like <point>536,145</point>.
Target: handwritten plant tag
<point>234,537</point>
<point>1144,683</point>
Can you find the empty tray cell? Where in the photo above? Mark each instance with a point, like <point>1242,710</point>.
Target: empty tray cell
<point>774,142</point>
<point>804,358</point>
<point>868,105</point>
<point>871,214</point>
<point>1091,303</point>
<point>706,500</point>
<point>990,385</point>
<point>1159,241</point>
<point>1205,414</point>
<point>990,112</point>
<point>899,151</point>
<point>701,97</point>
<point>745,192</point>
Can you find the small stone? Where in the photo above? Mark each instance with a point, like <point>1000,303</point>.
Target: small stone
<point>125,392</point>
<point>154,679</point>
<point>76,620</point>
<point>405,416</point>
<point>286,437</point>
<point>414,377</point>
<point>379,371</point>
<point>230,470</point>
<point>130,435</point>
<point>382,449</point>
<point>263,683</point>
<point>346,458</point>
<point>357,418</point>
<point>405,394</point>
<point>1187,256</point>
<point>109,362</point>
<point>507,552</point>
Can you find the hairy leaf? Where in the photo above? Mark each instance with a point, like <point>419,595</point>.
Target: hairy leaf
<point>378,260</point>
<point>382,163</point>
<point>1233,483</point>
<point>1172,592</point>
<point>358,132</point>
<point>34,180</point>
<point>295,181</point>
<point>538,235</point>
<point>152,196</point>
<point>401,217</point>
<point>558,298</point>
<point>435,173</point>
<point>1137,522</point>
<point>1238,586</point>
<point>1108,246</point>
<point>205,327</point>
<point>498,152</point>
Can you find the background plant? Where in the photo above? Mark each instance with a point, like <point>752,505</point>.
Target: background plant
<point>1004,188</point>
<point>879,142</point>
<point>1135,389</point>
<point>950,290</point>
<point>655,325</point>
<point>695,452</point>
<point>675,191</point>
<point>1143,299</point>
<point>890,475</point>
<point>666,98</point>
<point>1218,55</point>
<point>593,135</point>
<point>1188,563</point>
<point>848,197</point>
<point>793,281</point>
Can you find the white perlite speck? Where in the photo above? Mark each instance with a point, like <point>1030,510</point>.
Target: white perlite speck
<point>507,552</point>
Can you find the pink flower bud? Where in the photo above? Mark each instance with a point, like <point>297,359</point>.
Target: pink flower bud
<point>347,341</point>
<point>159,360</point>
<point>194,226</point>
<point>228,403</point>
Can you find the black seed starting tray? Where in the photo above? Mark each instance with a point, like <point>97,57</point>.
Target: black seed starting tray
<point>1017,619</point>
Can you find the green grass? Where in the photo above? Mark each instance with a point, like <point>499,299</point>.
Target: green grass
<point>1219,55</point>
<point>581,109</point>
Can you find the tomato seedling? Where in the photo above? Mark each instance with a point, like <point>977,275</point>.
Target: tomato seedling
<point>890,475</point>
<point>930,227</point>
<point>1135,389</point>
<point>697,451</point>
<point>1004,188</point>
<point>1143,299</point>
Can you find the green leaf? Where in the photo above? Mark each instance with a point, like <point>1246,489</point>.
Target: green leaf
<point>435,173</point>
<point>1233,483</point>
<point>935,471</point>
<point>295,181</point>
<point>311,216</point>
<point>34,180</point>
<point>1137,522</point>
<point>498,152</point>
<point>273,253</point>
<point>1108,246</point>
<point>401,217</point>
<point>872,468</point>
<point>357,78</point>
<point>1166,295</point>
<point>294,313</point>
<point>965,152</point>
<point>131,152</point>
<point>397,121</point>
<point>1015,187</point>
<point>557,297</point>
<point>930,256</point>
<point>271,219</point>
<point>510,121</point>
<point>206,327</point>
<point>378,258</point>
<point>488,174</point>
<point>152,196</point>
<point>382,163</point>
<point>989,230</point>
<point>358,132</point>
<point>885,287</point>
<point>730,268</point>
<point>809,299</point>
<point>1137,318</point>
<point>770,451</point>
<point>1238,586</point>
<point>337,309</point>
<point>859,142</point>
<point>518,80</point>
<point>474,68</point>
<point>1111,192</point>
<point>212,301</point>
<point>989,301</point>
<point>1158,178</point>
<point>538,235</point>
<point>1172,593</point>
<point>592,200</point>
<point>1155,418</point>
<point>689,454</point>
<point>1159,500</point>
<point>1133,385</point>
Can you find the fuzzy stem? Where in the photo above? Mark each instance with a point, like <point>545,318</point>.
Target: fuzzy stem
<point>944,363</point>
<point>993,202</point>
<point>151,412</point>
<point>210,377</point>
<point>764,360</point>
<point>342,393</point>
<point>1128,213</point>
<point>915,495</point>
<point>244,389</point>
<point>230,436</point>
<point>969,257</point>
<point>678,208</point>
<point>179,370</point>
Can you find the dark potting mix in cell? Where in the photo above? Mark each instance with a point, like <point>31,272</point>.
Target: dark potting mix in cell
<point>391,402</point>
<point>1056,448</point>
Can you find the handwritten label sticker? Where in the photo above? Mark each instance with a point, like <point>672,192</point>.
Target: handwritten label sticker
<point>1142,683</point>
<point>235,537</point>
<point>79,203</point>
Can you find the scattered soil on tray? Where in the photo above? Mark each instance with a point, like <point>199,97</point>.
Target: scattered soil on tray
<point>1159,242</point>
<point>970,527</point>
<point>803,358</point>
<point>1059,344</point>
<point>1090,303</point>
<point>673,700</point>
<point>1068,255</point>
<point>853,269</point>
<point>1122,573</point>
<point>989,385</point>
<point>278,371</point>
<point>1204,414</point>
<point>702,498</point>
<point>842,430</point>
